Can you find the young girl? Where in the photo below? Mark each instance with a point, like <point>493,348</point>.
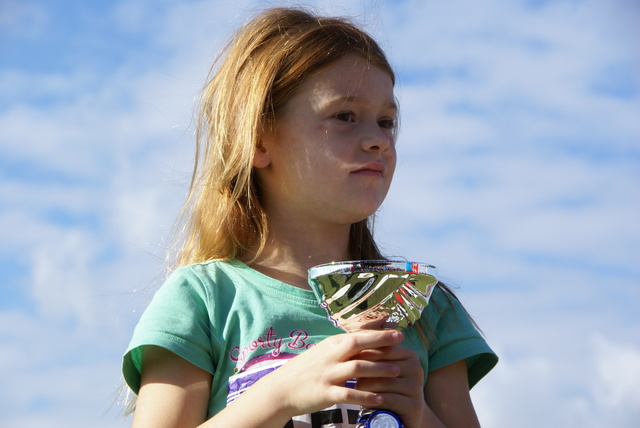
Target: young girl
<point>297,151</point>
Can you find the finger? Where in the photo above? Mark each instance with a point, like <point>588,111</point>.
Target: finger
<point>354,396</point>
<point>396,352</point>
<point>405,386</point>
<point>367,369</point>
<point>400,404</point>
<point>354,343</point>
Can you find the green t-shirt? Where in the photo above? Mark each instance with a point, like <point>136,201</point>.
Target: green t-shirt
<point>239,325</point>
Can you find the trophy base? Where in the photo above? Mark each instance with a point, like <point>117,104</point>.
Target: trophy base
<point>380,419</point>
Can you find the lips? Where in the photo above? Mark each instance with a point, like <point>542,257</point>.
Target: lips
<point>373,168</point>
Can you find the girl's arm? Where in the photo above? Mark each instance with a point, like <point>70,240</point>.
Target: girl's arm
<point>175,393</point>
<point>447,395</point>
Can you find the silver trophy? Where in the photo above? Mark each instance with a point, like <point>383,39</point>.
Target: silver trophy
<point>373,295</point>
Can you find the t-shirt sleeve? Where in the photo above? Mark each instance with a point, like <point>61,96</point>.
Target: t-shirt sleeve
<point>457,338</point>
<point>176,319</point>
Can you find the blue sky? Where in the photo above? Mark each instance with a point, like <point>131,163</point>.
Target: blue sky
<point>518,176</point>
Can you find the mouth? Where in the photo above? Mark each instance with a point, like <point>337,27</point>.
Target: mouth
<point>373,168</point>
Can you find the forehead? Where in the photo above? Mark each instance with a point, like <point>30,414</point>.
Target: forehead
<point>352,78</point>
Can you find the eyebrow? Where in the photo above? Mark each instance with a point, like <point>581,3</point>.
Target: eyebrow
<point>353,99</point>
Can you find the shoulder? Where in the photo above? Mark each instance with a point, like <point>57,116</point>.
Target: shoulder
<point>204,277</point>
<point>447,316</point>
<point>203,272</point>
<point>444,306</point>
<point>456,336</point>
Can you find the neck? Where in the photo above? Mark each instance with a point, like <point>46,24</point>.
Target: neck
<point>289,252</point>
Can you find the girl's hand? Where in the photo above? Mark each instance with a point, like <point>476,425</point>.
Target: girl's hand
<point>315,379</point>
<point>403,394</point>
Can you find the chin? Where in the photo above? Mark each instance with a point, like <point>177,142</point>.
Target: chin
<point>357,209</point>
<point>363,215</point>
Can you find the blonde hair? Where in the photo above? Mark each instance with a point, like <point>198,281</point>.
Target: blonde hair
<point>261,69</point>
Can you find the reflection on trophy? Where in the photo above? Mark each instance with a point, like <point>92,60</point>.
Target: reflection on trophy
<point>373,294</point>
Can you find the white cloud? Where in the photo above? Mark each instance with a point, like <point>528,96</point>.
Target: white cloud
<point>590,390</point>
<point>62,279</point>
<point>617,373</point>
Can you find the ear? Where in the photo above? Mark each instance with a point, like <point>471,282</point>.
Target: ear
<point>261,157</point>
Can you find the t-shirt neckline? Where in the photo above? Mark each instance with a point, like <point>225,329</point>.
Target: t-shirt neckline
<point>299,295</point>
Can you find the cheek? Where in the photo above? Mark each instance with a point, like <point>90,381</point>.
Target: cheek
<point>391,165</point>
<point>322,130</point>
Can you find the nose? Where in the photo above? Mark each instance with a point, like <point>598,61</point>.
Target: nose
<point>376,138</point>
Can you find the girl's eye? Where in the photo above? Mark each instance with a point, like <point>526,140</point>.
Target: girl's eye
<point>387,123</point>
<point>346,116</point>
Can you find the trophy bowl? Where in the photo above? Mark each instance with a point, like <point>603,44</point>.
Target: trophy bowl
<point>373,295</point>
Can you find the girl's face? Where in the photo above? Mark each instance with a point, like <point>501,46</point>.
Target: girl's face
<point>332,155</point>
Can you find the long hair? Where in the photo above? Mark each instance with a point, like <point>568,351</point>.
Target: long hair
<point>258,72</point>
